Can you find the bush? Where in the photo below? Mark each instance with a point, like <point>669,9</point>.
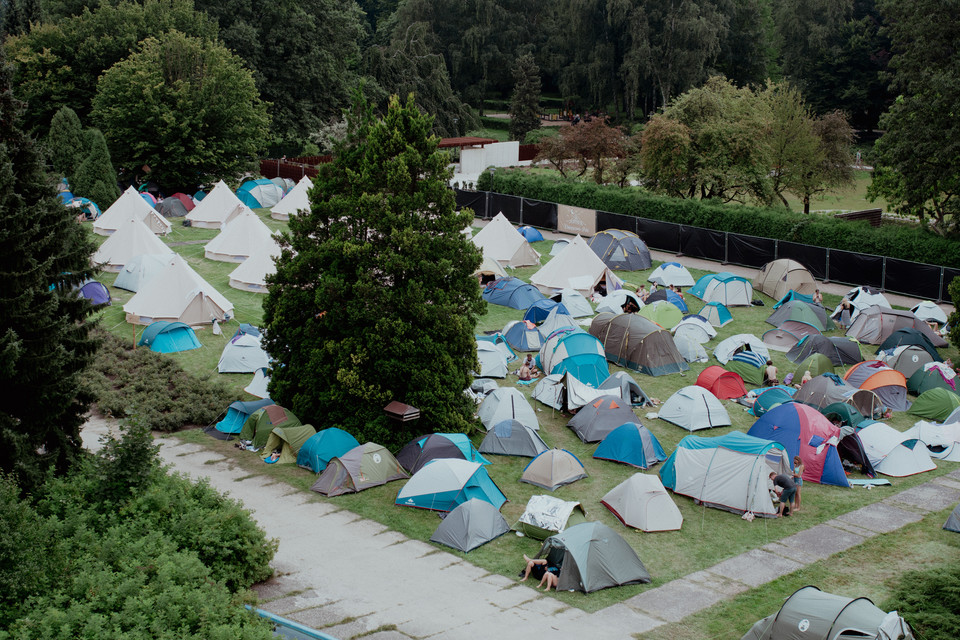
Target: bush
<point>895,241</point>
<point>930,601</point>
<point>501,124</point>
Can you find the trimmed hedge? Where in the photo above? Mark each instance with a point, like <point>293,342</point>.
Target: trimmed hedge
<point>894,241</point>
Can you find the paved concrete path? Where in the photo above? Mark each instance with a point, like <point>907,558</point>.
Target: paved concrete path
<point>351,577</point>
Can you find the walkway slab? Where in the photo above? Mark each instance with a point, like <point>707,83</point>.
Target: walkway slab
<point>675,600</point>
<point>822,541</point>
<point>927,497</point>
<point>880,517</point>
<point>755,567</point>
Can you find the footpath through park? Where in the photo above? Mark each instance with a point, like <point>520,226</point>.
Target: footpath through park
<point>351,577</point>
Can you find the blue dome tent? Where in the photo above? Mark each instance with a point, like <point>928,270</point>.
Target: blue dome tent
<point>169,337</point>
<point>237,414</point>
<point>324,446</point>
<point>531,234</point>
<point>511,292</point>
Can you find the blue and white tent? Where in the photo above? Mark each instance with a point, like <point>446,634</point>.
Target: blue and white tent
<point>237,414</point>
<point>445,483</point>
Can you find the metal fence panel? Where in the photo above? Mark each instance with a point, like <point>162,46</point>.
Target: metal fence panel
<point>813,258</point>
<point>509,206</point>
<point>948,276</point>
<point>607,220</point>
<point>663,236</point>
<point>702,243</point>
<point>750,251</point>
<point>855,268</point>
<point>476,200</point>
<point>912,278</point>
<point>540,214</point>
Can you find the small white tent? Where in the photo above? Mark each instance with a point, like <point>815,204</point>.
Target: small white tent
<point>243,354</point>
<point>929,312</point>
<point>502,242</point>
<point>258,386</point>
<point>576,267</point>
<point>294,202</point>
<point>215,208</point>
<point>641,502</point>
<point>671,273</point>
<point>693,408</point>
<point>130,205</point>
<point>493,364</point>
<point>178,293</point>
<point>251,274</point>
<point>892,453</point>
<point>131,239</point>
<point>575,303</point>
<point>507,403</point>
<point>239,239</point>
<point>726,349</point>
<point>862,298</point>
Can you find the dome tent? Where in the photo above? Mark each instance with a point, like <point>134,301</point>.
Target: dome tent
<point>530,234</point>
<point>621,250</point>
<point>614,301</point>
<point>470,525</point>
<point>631,443</point>
<point>740,342</point>
<point>910,337</point>
<point>723,384</point>
<point>907,359</point>
<point>512,438</point>
<point>637,343</point>
<point>716,314</point>
<point>667,295</point>
<point>493,364</point>
<point>243,354</point>
<point>893,453</point>
<point>511,292</point>
<point>725,288</point>
<point>169,337</point>
<point>770,398</point>
<point>593,557</point>
<point>322,447</point>
<point>369,465</point>
<point>437,446</point>
<point>237,414</point>
<point>259,193</point>
<point>552,469</point>
<point>935,404</point>
<point>538,311</point>
<point>521,337</point>
<point>779,277</point>
<point>840,350</point>
<point>260,424</point>
<point>446,483</point>
<point>696,327</point>
<point>889,384</point>
<point>576,351</point>
<point>288,440</point>
<point>828,388</point>
<point>671,273</point>
<point>556,319</point>
<point>641,502</point>
<point>597,419</point>
<point>875,324</point>
<point>507,403</point>
<point>694,408</point>
<point>576,305</point>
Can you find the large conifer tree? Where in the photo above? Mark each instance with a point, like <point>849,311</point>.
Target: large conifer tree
<point>525,102</point>
<point>374,298</point>
<point>44,327</point>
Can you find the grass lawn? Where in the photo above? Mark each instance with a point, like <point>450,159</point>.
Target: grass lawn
<point>708,535</point>
<point>851,198</point>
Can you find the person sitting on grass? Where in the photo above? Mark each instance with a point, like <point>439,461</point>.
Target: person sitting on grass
<point>538,568</point>
<point>770,378</point>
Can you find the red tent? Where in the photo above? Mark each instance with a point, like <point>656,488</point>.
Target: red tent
<point>721,383</point>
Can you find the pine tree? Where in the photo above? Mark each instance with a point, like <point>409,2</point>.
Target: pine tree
<point>96,178</point>
<point>44,330</point>
<point>374,298</point>
<point>65,143</point>
<point>525,103</point>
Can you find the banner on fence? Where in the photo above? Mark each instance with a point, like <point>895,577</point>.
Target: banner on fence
<point>575,220</point>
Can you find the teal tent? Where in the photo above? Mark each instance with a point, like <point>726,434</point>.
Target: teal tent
<point>169,337</point>
<point>324,446</point>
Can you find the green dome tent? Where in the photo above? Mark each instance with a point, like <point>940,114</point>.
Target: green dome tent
<point>935,404</point>
<point>261,423</point>
<point>288,440</point>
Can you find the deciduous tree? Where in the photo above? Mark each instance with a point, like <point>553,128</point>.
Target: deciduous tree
<point>374,299</point>
<point>592,144</point>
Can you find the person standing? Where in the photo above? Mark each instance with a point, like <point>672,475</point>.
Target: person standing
<point>797,480</point>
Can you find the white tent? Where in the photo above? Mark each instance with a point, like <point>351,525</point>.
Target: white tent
<point>507,403</point>
<point>251,274</point>
<point>506,245</point>
<point>178,293</point>
<point>695,328</point>
<point>641,502</point>
<point>576,267</point>
<point>862,298</point>
<point>243,354</point>
<point>563,391</point>
<point>694,408</point>
<point>556,319</point>
<point>671,273</point>
<point>258,386</point>
<point>139,269</point>
<point>131,239</point>
<point>490,267</point>
<point>215,208</point>
<point>493,364</point>
<point>930,312</point>
<point>575,303</point>
<point>942,440</point>
<point>240,238</point>
<point>725,350</point>
<point>130,205</point>
<point>614,300</point>
<point>294,202</point>
<point>892,453</point>
<point>558,246</point>
<point>689,348</point>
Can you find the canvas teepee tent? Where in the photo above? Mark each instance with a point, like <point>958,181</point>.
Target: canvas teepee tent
<point>130,205</point>
<point>131,239</point>
<point>215,208</point>
<point>294,202</point>
<point>251,274</point>
<point>178,293</point>
<point>240,238</point>
<point>576,267</point>
<point>503,243</point>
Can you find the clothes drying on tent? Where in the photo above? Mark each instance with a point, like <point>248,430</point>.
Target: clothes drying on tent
<point>323,446</point>
<point>512,438</point>
<point>545,515</point>
<point>889,384</point>
<point>169,337</point>
<point>893,453</point>
<point>576,351</point>
<point>727,472</point>
<point>671,273</point>
<point>803,431</point>
<point>507,403</point>
<point>924,379</point>
<point>641,502</point>
<point>530,234</point>
<point>725,385</point>
<point>825,616</point>
<point>501,241</point>
<point>470,525</point>
<point>750,366</point>
<point>511,292</point>
<point>631,443</point>
<point>597,419</point>
<point>237,414</point>
<point>593,556</point>
<point>576,267</point>
<point>779,277</point>
<point>369,465</point>
<point>423,449</point>
<point>724,287</point>
<point>552,469</point>
<point>634,342</point>
<point>694,408</point>
<point>243,354</point>
<point>445,483</point>
<point>621,250</point>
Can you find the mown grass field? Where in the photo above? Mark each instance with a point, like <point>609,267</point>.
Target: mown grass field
<point>708,535</point>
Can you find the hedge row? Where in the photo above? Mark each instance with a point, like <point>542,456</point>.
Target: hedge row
<point>501,124</point>
<point>894,241</point>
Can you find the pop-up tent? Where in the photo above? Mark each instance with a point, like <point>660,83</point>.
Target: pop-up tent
<point>553,469</point>
<point>546,515</point>
<point>811,614</point>
<point>728,472</point>
<point>94,291</point>
<point>322,447</point>
<point>631,443</point>
<point>288,440</point>
<point>421,450</point>
<point>574,350</point>
<point>445,483</point>
<point>893,453</point>
<point>593,556</point>
<point>169,337</point>
<point>511,292</point>
<point>512,438</point>
<point>637,343</point>
<point>803,431</point>
<point>369,465</point>
<point>499,240</point>
<point>621,250</point>
<point>530,234</point>
<point>889,384</point>
<point>470,525</point>
<point>723,384</point>
<point>507,403</point>
<point>671,273</point>
<point>779,277</point>
<point>693,408</point>
<point>641,502</point>
<point>598,418</point>
<point>237,414</point>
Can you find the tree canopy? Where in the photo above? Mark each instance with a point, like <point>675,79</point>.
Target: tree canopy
<point>374,298</point>
<point>185,107</point>
<point>525,103</point>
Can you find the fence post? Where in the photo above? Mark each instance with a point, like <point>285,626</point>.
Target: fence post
<point>726,247</point>
<point>883,274</point>
<point>940,288</point>
<point>776,249</point>
<point>521,210</point>
<point>680,242</point>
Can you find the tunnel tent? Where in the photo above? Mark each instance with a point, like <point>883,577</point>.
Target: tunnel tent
<point>637,343</point>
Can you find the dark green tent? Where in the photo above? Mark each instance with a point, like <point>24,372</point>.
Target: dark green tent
<point>935,404</point>
<point>261,423</point>
<point>922,381</point>
<point>592,556</point>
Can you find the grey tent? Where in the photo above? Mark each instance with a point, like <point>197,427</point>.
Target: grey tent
<point>553,469</point>
<point>621,250</point>
<point>592,556</point>
<point>841,351</point>
<point>953,522</point>
<point>828,388</point>
<point>811,614</point>
<point>513,438</point>
<point>637,343</point>
<point>472,524</point>
<point>596,420</point>
<point>629,388</point>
